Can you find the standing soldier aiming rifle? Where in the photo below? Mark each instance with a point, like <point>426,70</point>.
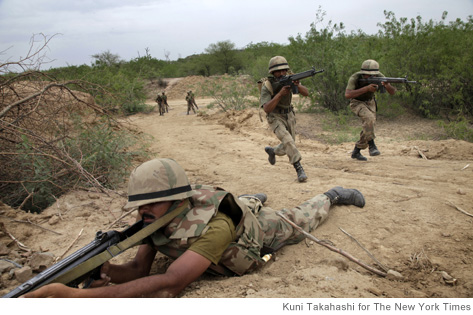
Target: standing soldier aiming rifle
<point>276,102</point>
<point>363,104</point>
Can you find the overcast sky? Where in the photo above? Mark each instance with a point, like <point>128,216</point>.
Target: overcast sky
<point>179,28</point>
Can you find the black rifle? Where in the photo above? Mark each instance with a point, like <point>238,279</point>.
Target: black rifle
<point>289,79</point>
<point>381,87</point>
<point>101,243</point>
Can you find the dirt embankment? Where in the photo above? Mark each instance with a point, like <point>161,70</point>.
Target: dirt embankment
<point>417,219</point>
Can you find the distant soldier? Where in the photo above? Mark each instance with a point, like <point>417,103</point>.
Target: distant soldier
<point>190,103</point>
<point>193,99</point>
<point>165,102</point>
<point>159,100</point>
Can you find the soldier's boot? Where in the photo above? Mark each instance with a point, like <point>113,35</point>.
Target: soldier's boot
<point>356,154</point>
<point>301,176</point>
<point>344,196</point>
<point>262,197</point>
<point>373,149</point>
<point>271,155</point>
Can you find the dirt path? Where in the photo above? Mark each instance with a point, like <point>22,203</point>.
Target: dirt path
<point>406,224</point>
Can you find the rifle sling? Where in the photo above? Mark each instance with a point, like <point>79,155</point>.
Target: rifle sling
<point>120,247</point>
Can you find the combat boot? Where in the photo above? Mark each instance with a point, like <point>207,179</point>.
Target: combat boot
<point>356,154</point>
<point>271,155</point>
<point>344,196</point>
<point>262,197</point>
<point>301,176</point>
<point>373,149</point>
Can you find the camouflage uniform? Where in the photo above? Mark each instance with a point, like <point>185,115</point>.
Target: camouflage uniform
<point>259,228</point>
<point>282,121</point>
<point>190,103</point>
<point>364,106</point>
<point>165,102</point>
<point>159,100</point>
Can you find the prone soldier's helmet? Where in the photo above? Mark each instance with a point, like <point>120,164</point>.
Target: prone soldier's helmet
<point>370,67</point>
<point>277,63</point>
<point>157,180</point>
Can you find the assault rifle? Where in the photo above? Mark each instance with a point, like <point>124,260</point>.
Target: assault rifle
<point>289,79</point>
<point>77,267</point>
<point>381,87</point>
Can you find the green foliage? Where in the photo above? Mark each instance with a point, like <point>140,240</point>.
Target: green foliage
<point>442,65</point>
<point>458,129</point>
<point>98,155</point>
<point>224,56</point>
<point>232,93</point>
<point>104,150</point>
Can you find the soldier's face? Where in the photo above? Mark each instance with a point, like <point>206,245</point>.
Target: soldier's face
<point>279,73</point>
<point>152,211</point>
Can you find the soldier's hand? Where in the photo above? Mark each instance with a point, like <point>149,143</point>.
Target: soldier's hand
<point>372,87</point>
<point>104,276</point>
<point>54,290</point>
<point>285,90</point>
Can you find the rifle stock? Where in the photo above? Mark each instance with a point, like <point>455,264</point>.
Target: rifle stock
<point>289,79</point>
<point>52,274</point>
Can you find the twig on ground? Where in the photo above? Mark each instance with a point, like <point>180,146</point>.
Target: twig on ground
<point>34,224</point>
<point>386,269</point>
<point>465,167</point>
<point>332,248</point>
<point>124,215</point>
<point>406,198</point>
<point>420,153</point>
<point>20,244</point>
<point>458,208</point>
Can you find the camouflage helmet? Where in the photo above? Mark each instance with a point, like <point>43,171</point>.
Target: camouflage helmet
<point>277,63</point>
<point>157,180</point>
<point>370,66</point>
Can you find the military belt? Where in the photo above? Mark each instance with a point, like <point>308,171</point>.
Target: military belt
<point>279,110</point>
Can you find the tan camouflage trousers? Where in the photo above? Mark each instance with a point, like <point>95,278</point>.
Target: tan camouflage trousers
<point>190,107</point>
<point>367,112</point>
<point>277,232</point>
<point>161,108</point>
<point>284,127</point>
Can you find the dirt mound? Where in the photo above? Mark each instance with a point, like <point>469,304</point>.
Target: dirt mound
<point>177,88</point>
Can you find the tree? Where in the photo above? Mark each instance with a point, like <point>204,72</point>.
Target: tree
<point>225,56</point>
<point>106,58</point>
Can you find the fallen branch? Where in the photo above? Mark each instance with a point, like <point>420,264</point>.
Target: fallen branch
<point>332,248</point>
<point>124,215</point>
<point>20,244</point>
<point>386,269</point>
<point>458,208</point>
<point>420,153</point>
<point>34,224</point>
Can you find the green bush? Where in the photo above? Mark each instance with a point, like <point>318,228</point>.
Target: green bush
<point>232,93</point>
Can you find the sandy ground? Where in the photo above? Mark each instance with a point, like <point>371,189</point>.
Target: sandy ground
<point>412,222</point>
